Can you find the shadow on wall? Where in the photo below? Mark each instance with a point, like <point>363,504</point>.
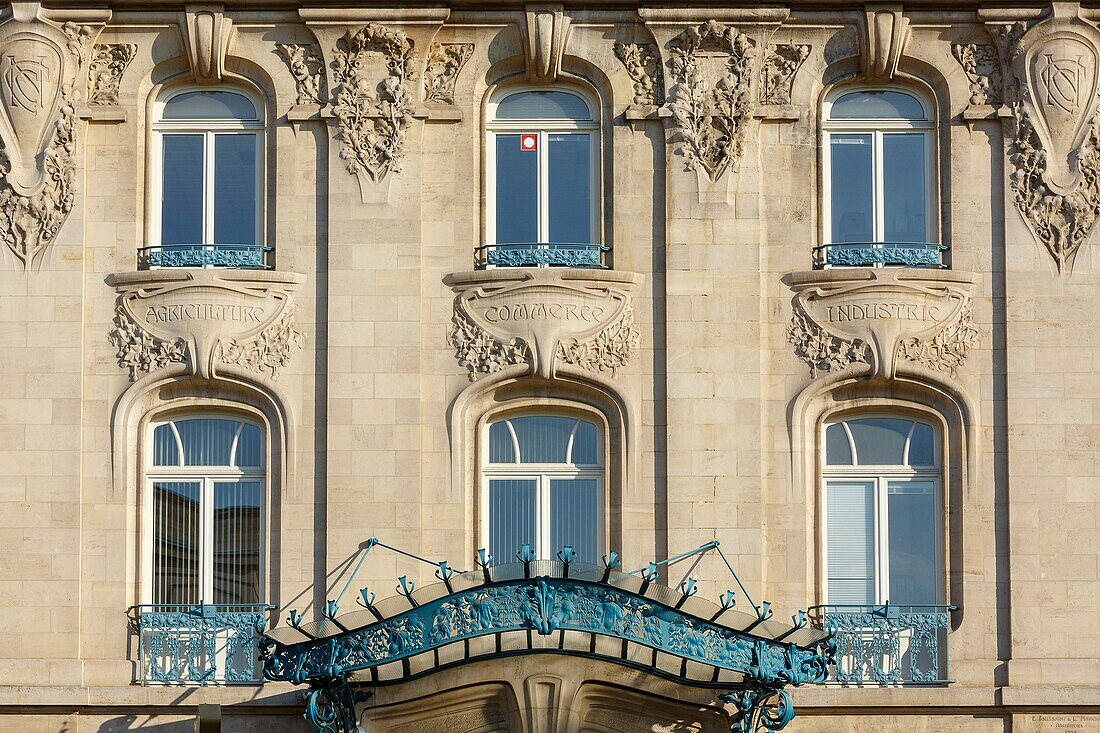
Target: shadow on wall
<point>145,723</point>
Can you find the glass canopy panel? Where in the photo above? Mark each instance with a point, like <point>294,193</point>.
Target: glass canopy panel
<point>880,104</point>
<point>209,105</point>
<point>543,105</point>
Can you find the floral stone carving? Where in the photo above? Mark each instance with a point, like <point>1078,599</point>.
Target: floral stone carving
<point>39,66</point>
<point>982,65</point>
<point>444,65</point>
<point>205,320</point>
<point>777,72</point>
<point>1055,152</point>
<point>545,317</point>
<point>109,62</point>
<point>878,317</point>
<point>307,68</point>
<point>373,70</point>
<point>643,65</point>
<point>711,104</point>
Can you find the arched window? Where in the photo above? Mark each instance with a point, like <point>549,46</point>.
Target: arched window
<point>882,483</point>
<point>543,182</point>
<point>205,479</point>
<point>208,173</point>
<point>542,484</point>
<point>879,183</point>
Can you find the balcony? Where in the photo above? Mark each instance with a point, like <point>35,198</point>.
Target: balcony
<point>546,254</point>
<point>237,256</point>
<point>198,644</point>
<point>887,645</point>
<point>881,254</point>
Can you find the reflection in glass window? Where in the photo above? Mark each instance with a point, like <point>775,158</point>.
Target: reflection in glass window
<point>882,488</point>
<point>206,482</point>
<point>543,484</point>
<point>878,155</point>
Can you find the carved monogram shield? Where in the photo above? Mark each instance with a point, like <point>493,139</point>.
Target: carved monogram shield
<point>32,68</point>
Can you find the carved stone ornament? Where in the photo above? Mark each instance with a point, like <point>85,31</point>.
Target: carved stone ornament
<point>205,319</point>
<point>876,317</point>
<point>40,63</point>
<point>1055,153</point>
<point>208,34</point>
<point>308,69</point>
<point>373,71</point>
<point>544,317</point>
<point>982,65</point>
<point>546,28</point>
<point>109,62</point>
<point>445,62</point>
<point>885,34</point>
<point>711,103</point>
<point>778,69</point>
<point>643,65</point>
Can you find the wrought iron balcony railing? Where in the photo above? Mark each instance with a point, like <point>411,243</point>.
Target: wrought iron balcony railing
<point>886,254</point>
<point>546,254</point>
<point>238,256</point>
<point>199,644</point>
<point>887,645</point>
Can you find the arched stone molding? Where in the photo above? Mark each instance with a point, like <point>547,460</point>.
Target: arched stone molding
<point>543,693</point>
<point>174,391</point>
<point>914,390</point>
<point>571,391</point>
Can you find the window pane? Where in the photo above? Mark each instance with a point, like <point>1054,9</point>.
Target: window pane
<point>249,448</point>
<point>911,507</point>
<point>181,209</point>
<point>586,445</point>
<point>206,441</point>
<point>570,188</point>
<point>880,441</point>
<point>517,194</point>
<point>176,526</point>
<point>574,517</point>
<point>543,106</point>
<point>838,452</point>
<point>165,450</point>
<point>876,105</point>
<point>851,536</point>
<point>209,106</point>
<point>237,542</point>
<point>511,517</point>
<point>922,446</point>
<point>501,449</point>
<point>850,188</point>
<point>235,204</point>
<point>543,439</point>
<point>904,187</point>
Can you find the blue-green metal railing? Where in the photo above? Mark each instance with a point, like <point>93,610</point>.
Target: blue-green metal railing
<point>199,644</point>
<point>238,256</point>
<point>888,644</point>
<point>545,254</point>
<point>888,254</point>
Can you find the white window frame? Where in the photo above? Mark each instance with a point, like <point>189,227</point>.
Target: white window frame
<point>878,128</point>
<point>881,476</point>
<point>208,128</point>
<point>543,128</point>
<point>543,474</point>
<point>206,477</point>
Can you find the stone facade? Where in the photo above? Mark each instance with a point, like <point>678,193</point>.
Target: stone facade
<point>372,352</point>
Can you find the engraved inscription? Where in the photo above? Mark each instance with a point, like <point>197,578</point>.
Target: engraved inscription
<point>1061,80</point>
<point>881,311</point>
<point>204,312</point>
<point>24,82</point>
<point>544,311</point>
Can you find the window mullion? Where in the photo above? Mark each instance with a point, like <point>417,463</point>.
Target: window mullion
<point>206,541</point>
<point>882,537</point>
<point>880,187</point>
<point>208,189</point>
<point>544,186</point>
<point>543,524</point>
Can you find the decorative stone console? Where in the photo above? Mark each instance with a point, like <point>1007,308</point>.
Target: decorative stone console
<point>205,319</point>
<point>544,317</point>
<point>875,317</point>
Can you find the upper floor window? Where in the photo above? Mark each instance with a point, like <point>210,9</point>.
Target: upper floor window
<point>207,162</point>
<point>882,488</point>
<point>543,179</point>
<point>542,484</point>
<point>205,479</point>
<point>879,204</point>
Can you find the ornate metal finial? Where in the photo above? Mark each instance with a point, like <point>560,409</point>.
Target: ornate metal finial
<point>366,600</point>
<point>406,587</point>
<point>687,589</point>
<point>728,600</point>
<point>649,575</point>
<point>331,608</point>
<point>484,560</point>
<point>567,555</point>
<point>611,562</point>
<point>526,556</point>
<point>294,618</point>
<point>445,573</point>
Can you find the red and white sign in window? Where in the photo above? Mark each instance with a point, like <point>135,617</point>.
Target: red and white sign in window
<point>529,142</point>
